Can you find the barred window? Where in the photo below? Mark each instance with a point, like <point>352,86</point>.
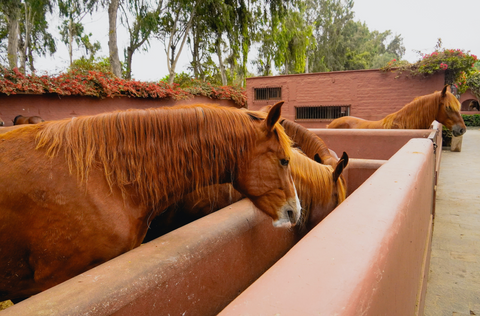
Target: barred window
<point>268,93</point>
<point>321,112</point>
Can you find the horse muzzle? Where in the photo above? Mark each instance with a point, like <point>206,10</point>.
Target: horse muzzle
<point>289,215</point>
<point>458,130</point>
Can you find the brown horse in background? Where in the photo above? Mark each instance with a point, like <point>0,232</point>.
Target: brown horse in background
<point>78,192</point>
<point>20,119</point>
<point>306,140</point>
<point>321,189</point>
<point>441,106</point>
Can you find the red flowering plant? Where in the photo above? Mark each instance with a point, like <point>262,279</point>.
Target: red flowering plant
<point>456,63</point>
<point>106,85</point>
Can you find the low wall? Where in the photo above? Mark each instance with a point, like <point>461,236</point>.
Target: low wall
<point>55,107</point>
<point>369,143</point>
<point>368,257</point>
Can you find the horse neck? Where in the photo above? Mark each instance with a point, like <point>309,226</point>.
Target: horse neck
<point>418,114</point>
<point>189,156</point>
<point>310,143</point>
<point>313,180</point>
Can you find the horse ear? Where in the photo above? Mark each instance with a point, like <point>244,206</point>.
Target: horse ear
<point>445,89</point>
<point>341,165</point>
<point>273,116</point>
<point>317,158</point>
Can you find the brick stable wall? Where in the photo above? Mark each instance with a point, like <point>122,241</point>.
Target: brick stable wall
<point>372,94</point>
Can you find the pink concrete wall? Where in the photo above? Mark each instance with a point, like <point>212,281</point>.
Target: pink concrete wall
<point>55,107</point>
<point>368,143</point>
<point>372,94</point>
<point>368,257</point>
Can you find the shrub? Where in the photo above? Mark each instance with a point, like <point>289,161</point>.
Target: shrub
<point>471,120</point>
<point>446,137</point>
<point>105,85</point>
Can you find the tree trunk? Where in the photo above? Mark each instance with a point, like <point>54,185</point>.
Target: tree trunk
<point>70,40</point>
<point>129,56</point>
<point>112,38</point>
<point>220,59</point>
<point>195,53</point>
<point>13,33</point>
<point>306,64</point>
<point>172,63</point>
<point>22,54</point>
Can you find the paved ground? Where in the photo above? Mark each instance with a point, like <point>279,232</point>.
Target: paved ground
<point>454,281</point>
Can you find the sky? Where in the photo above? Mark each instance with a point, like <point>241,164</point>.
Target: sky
<point>419,22</point>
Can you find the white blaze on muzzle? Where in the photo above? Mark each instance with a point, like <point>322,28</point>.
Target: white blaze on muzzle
<point>294,208</point>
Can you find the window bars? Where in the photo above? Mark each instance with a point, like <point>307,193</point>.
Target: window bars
<point>267,93</point>
<point>321,112</point>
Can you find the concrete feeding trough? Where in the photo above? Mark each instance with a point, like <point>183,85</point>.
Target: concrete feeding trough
<point>369,256</point>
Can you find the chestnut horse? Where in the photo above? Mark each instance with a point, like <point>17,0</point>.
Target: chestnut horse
<point>320,187</point>
<point>2,123</point>
<point>307,141</point>
<point>441,106</point>
<point>20,119</point>
<point>78,192</point>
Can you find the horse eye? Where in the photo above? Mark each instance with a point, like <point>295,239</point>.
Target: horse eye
<point>284,162</point>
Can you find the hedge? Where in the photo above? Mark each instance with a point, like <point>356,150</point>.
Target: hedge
<point>471,120</point>
<point>102,85</point>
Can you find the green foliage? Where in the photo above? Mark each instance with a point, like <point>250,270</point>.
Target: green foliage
<point>473,82</point>
<point>345,44</point>
<point>446,137</point>
<point>100,64</point>
<point>471,120</point>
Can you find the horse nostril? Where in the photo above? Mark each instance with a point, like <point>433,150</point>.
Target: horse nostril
<point>291,217</point>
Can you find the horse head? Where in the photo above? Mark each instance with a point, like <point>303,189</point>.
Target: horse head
<point>266,178</point>
<point>449,113</point>
<point>337,191</point>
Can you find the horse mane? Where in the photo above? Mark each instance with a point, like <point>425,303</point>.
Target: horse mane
<point>157,151</point>
<point>307,141</point>
<point>314,181</point>
<point>420,113</point>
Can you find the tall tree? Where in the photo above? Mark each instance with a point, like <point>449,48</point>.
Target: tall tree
<point>332,17</point>
<point>34,36</point>
<point>115,65</point>
<point>292,40</point>
<point>72,29</point>
<point>174,28</point>
<point>26,31</point>
<point>145,23</point>
<point>12,11</point>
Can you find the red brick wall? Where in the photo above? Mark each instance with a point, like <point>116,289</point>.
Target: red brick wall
<point>54,107</point>
<point>371,94</point>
